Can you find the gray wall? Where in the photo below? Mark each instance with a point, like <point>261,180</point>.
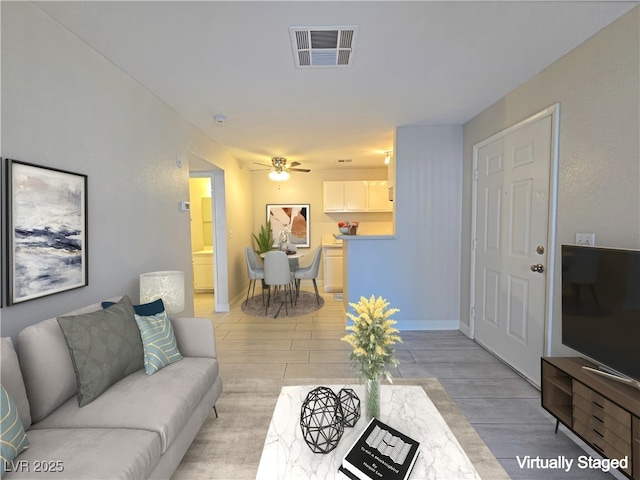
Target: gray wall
<point>65,106</point>
<point>418,270</point>
<point>598,88</point>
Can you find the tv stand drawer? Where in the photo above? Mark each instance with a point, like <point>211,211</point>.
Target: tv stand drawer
<point>600,406</point>
<point>614,433</point>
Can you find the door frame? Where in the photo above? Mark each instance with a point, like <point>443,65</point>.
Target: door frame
<point>554,112</point>
<point>219,226</point>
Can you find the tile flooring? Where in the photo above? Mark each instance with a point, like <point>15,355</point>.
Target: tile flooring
<point>503,408</point>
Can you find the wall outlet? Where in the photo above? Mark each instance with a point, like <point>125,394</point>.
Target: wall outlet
<point>588,239</point>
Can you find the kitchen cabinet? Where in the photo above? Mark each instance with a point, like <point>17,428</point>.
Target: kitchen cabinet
<point>378,196</point>
<point>203,270</point>
<point>356,196</point>
<point>333,268</point>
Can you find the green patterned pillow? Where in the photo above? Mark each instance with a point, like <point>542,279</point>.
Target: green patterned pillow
<point>14,440</point>
<point>105,347</point>
<point>158,341</point>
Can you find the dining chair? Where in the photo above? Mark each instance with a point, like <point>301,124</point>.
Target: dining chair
<point>254,271</point>
<point>310,272</point>
<point>277,273</point>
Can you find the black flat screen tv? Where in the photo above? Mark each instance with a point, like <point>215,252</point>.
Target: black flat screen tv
<point>601,306</point>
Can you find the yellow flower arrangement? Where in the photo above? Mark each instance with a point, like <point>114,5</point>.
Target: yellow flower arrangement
<point>372,337</point>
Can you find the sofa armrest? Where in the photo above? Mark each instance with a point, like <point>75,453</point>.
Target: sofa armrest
<point>195,337</point>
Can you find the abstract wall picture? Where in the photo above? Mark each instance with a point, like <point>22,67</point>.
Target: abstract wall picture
<point>47,231</point>
<point>293,217</point>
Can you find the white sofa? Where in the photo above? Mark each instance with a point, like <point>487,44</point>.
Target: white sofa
<point>140,427</point>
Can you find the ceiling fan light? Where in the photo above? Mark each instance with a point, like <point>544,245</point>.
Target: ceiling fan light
<point>278,176</point>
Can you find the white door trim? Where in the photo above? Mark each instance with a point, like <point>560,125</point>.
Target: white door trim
<point>554,112</point>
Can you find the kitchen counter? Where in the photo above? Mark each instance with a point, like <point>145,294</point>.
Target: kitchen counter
<point>364,237</point>
<point>329,241</point>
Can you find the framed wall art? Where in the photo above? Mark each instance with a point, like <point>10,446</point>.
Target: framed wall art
<point>46,231</point>
<point>295,217</point>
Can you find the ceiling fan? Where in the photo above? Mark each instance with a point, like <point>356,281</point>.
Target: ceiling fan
<point>280,170</point>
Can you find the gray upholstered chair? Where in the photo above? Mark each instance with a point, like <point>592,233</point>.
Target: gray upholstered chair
<point>254,271</point>
<point>277,273</point>
<point>310,272</point>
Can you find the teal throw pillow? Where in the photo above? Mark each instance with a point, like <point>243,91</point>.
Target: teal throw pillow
<point>158,341</point>
<point>14,439</point>
<point>105,347</point>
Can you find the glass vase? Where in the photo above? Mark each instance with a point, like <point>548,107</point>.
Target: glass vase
<point>372,397</point>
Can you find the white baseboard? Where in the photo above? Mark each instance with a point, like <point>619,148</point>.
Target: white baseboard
<point>427,324</point>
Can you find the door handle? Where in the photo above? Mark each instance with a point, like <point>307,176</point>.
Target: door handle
<point>537,268</point>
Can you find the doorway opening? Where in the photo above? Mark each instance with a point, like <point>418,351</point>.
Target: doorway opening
<point>201,208</point>
<point>208,239</point>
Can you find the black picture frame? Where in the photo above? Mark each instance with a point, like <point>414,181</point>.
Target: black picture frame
<point>46,231</point>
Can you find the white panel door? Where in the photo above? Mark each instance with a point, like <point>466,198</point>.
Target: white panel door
<point>512,221</point>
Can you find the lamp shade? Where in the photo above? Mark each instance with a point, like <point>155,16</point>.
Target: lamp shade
<point>167,285</point>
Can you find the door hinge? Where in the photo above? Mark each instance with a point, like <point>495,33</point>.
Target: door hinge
<point>473,313</point>
<point>475,244</point>
<point>475,174</point>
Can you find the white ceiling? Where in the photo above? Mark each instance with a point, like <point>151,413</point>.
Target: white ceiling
<point>416,63</point>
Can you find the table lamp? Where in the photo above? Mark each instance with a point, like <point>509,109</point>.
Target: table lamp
<point>167,285</point>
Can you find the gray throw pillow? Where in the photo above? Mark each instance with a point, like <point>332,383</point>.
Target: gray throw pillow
<point>105,347</point>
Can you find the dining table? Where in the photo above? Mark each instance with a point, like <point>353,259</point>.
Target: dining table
<point>293,258</point>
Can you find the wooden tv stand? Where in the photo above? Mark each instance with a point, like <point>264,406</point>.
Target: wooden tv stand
<point>603,412</point>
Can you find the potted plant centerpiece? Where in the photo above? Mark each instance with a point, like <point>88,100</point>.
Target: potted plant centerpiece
<point>372,338</point>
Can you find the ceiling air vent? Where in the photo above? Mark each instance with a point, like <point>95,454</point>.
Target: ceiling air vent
<point>323,46</point>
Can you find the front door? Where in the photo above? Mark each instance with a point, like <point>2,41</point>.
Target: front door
<point>512,254</point>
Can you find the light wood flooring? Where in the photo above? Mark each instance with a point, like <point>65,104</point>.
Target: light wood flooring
<point>503,408</point>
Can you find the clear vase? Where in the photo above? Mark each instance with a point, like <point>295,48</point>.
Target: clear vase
<point>372,397</point>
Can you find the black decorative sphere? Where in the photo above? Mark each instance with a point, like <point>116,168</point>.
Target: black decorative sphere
<point>350,404</point>
<point>321,420</point>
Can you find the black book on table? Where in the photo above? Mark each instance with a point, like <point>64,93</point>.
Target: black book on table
<point>381,453</point>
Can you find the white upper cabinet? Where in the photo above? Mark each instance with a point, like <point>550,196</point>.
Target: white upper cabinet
<point>378,200</point>
<point>357,196</point>
<point>333,195</point>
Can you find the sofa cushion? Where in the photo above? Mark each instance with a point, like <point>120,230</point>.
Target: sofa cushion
<point>146,309</point>
<point>11,379</point>
<point>105,347</point>
<point>161,403</point>
<point>14,439</point>
<point>158,341</point>
<point>46,367</point>
<point>95,453</point>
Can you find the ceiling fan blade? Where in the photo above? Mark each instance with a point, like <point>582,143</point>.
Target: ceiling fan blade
<point>294,164</point>
<point>305,170</point>
<point>263,165</point>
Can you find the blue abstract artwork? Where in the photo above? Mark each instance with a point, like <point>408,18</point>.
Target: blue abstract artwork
<point>48,226</point>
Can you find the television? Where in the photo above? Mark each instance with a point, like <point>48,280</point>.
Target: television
<point>601,306</point>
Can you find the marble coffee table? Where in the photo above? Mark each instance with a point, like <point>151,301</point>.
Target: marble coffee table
<point>405,408</point>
